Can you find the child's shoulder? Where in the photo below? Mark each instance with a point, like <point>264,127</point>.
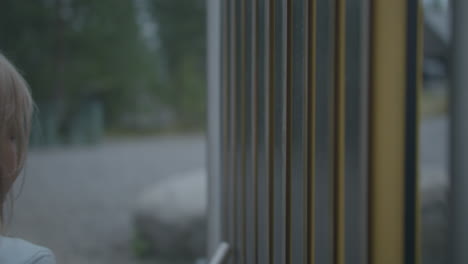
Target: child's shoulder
<point>18,251</point>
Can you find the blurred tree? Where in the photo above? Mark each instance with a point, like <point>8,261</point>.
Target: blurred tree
<point>110,58</point>
<point>181,32</point>
<point>75,51</point>
<point>27,37</point>
<point>72,50</point>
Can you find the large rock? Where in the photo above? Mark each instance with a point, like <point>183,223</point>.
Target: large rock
<point>171,216</point>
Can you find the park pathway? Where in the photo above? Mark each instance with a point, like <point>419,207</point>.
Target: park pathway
<point>79,200</point>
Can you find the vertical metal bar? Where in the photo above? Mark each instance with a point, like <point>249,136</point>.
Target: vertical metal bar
<point>232,132</point>
<point>224,101</point>
<point>240,127</point>
<point>250,130</point>
<point>458,135</point>
<point>214,83</point>
<point>271,78</point>
<point>255,94</point>
<point>365,126</point>
<point>357,23</point>
<point>298,139</point>
<point>287,115</point>
<point>286,129</point>
<point>323,131</point>
<point>413,75</point>
<point>419,86</point>
<point>279,133</point>
<point>311,128</point>
<point>225,161</point>
<point>263,133</point>
<point>288,118</point>
<point>339,133</point>
<point>387,132</point>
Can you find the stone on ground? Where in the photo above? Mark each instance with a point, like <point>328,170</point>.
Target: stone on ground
<point>170,216</point>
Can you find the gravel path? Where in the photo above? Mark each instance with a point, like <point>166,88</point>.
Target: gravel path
<point>78,201</point>
<point>434,151</point>
<point>434,174</point>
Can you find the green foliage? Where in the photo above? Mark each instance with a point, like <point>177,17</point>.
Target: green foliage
<point>76,51</point>
<point>141,247</point>
<point>28,39</point>
<point>110,52</point>
<point>181,28</point>
<point>71,50</point>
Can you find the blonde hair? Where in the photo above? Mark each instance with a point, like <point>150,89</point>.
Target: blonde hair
<point>16,108</point>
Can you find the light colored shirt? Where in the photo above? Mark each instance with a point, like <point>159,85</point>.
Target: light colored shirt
<point>18,251</point>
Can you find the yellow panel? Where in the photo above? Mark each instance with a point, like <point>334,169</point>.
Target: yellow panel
<point>386,201</point>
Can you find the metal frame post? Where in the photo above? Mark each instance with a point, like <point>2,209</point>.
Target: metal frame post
<point>459,135</point>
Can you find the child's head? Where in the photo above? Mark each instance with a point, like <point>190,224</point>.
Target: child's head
<point>16,108</point>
